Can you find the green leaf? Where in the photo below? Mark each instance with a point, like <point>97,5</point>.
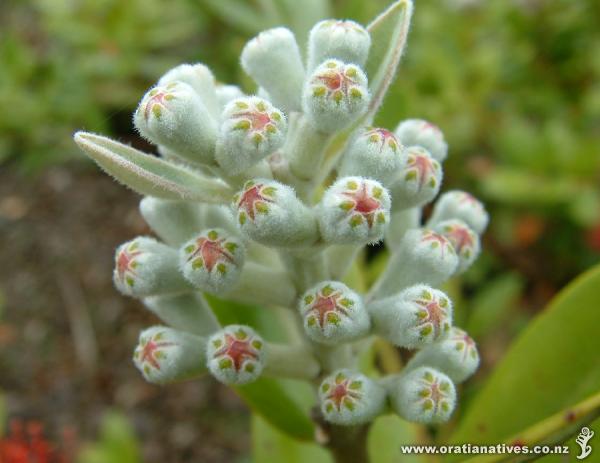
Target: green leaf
<point>553,365</point>
<point>389,32</point>
<point>150,175</point>
<point>270,445</point>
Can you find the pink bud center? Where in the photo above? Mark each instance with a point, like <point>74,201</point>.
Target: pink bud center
<point>211,251</point>
<point>237,350</point>
<point>250,198</point>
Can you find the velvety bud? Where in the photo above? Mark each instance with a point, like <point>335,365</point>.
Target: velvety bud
<point>273,60</point>
<point>460,205</point>
<point>413,318</point>
<point>335,95</point>
<point>422,256</point>
<point>164,355</point>
<point>418,181</point>
<point>332,313</point>
<point>347,41</point>
<point>354,210</point>
<point>464,241</point>
<point>145,267</point>
<point>349,398</point>
<point>175,116</point>
<point>236,355</point>
<point>213,260</point>
<point>376,154</point>
<point>270,213</point>
<point>455,355</point>
<point>423,395</point>
<point>251,130</point>
<point>422,133</point>
<point>201,79</point>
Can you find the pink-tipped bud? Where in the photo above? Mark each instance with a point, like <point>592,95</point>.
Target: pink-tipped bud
<point>413,318</point>
<point>349,398</point>
<point>335,96</point>
<point>418,181</point>
<point>251,130</point>
<point>460,205</point>
<point>464,241</point>
<point>212,261</point>
<point>354,210</point>
<point>236,355</point>
<point>423,133</point>
<point>424,395</point>
<point>332,313</point>
<point>376,153</point>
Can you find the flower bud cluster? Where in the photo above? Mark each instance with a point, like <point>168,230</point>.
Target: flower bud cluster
<point>298,212</point>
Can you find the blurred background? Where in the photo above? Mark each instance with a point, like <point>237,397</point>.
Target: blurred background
<point>514,85</point>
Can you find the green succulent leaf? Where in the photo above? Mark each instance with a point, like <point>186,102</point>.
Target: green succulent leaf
<point>389,32</point>
<point>553,365</point>
<point>149,175</point>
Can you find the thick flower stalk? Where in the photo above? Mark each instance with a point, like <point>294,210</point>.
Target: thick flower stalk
<point>268,200</point>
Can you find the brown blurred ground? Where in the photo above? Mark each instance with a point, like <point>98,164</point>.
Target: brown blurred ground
<point>66,336</point>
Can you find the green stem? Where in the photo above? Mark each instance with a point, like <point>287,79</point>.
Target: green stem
<point>291,361</point>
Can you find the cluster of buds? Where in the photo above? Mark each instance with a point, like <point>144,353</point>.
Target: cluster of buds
<point>299,211</point>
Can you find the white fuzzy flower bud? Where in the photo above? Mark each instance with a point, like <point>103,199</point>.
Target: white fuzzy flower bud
<point>349,398</point>
<point>423,395</point>
<point>228,93</point>
<point>335,95</point>
<point>354,210</point>
<point>376,153</point>
<point>251,130</point>
<point>236,355</point>
<point>200,78</point>
<point>270,212</point>
<point>332,313</point>
<point>212,261</point>
<point>145,267</point>
<point>413,318</point>
<point>175,116</point>
<point>455,355</point>
<point>422,133</point>
<point>460,205</point>
<point>418,181</point>
<point>273,60</point>
<point>347,41</point>
<point>165,355</point>
<point>464,241</point>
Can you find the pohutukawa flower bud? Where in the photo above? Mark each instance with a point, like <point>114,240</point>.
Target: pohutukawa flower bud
<point>418,181</point>
<point>347,41</point>
<point>145,267</point>
<point>333,313</point>
<point>228,93</point>
<point>212,261</point>
<point>200,78</point>
<point>165,355</point>
<point>424,395</point>
<point>354,210</point>
<point>252,129</point>
<point>270,212</point>
<point>273,60</point>
<point>376,153</point>
<point>335,95</point>
<point>422,133</point>
<point>413,318</point>
<point>175,116</point>
<point>236,355</point>
<point>455,355</point>
<point>464,241</point>
<point>460,205</point>
<point>349,398</point>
